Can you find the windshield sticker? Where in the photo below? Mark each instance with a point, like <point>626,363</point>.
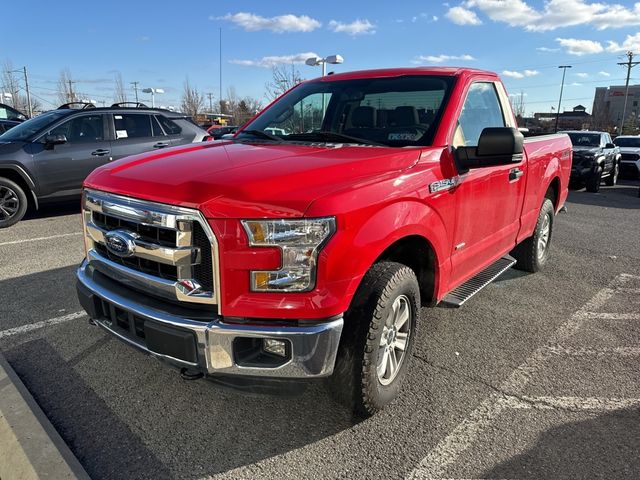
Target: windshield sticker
<point>404,136</point>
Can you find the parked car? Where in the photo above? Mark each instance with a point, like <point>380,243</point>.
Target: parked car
<point>217,132</point>
<point>47,158</point>
<point>595,158</point>
<point>10,113</point>
<point>311,254</point>
<point>630,154</point>
<point>7,124</point>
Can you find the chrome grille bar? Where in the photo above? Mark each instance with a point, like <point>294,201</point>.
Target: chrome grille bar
<point>173,246</point>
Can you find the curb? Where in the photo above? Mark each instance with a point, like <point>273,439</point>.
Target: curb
<point>30,447</point>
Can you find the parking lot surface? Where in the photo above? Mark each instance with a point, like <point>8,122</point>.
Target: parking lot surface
<point>535,377</point>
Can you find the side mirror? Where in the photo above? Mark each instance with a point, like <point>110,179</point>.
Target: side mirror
<point>496,146</point>
<point>51,140</point>
<point>609,145</point>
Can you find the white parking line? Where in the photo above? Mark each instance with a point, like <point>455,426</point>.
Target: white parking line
<point>595,404</point>
<point>38,239</point>
<point>45,323</point>
<point>597,352</point>
<point>611,316</point>
<point>447,451</point>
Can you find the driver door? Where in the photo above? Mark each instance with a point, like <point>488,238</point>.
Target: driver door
<point>64,167</point>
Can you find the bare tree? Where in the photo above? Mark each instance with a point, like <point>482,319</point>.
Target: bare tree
<point>119,94</point>
<point>66,90</point>
<point>10,85</point>
<point>192,101</point>
<point>284,78</point>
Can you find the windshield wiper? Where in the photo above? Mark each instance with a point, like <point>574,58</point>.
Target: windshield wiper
<point>334,137</point>
<point>263,135</point>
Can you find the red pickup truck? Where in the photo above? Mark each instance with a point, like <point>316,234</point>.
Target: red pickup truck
<point>306,245</point>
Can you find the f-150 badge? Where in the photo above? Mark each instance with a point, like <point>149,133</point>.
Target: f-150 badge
<point>445,184</point>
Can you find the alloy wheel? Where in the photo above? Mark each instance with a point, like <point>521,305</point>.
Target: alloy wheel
<point>394,340</point>
<point>9,203</point>
<point>543,238</point>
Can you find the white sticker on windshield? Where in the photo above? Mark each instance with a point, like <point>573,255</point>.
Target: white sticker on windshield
<point>404,136</point>
<point>121,134</point>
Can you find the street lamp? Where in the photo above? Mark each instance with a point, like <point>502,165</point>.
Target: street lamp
<point>564,71</point>
<point>5,95</point>
<point>315,61</point>
<point>153,92</point>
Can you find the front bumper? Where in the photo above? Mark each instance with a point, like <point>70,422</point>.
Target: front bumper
<point>201,340</point>
<point>581,173</point>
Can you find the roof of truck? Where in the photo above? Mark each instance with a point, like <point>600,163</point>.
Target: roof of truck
<point>396,72</point>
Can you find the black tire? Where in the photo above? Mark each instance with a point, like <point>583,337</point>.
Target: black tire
<point>593,183</point>
<point>612,179</point>
<point>13,203</point>
<point>356,381</point>
<point>532,254</point>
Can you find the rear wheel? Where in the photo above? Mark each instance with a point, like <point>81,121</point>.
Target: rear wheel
<point>13,203</point>
<point>376,343</point>
<point>593,183</point>
<point>612,179</point>
<point>532,253</point>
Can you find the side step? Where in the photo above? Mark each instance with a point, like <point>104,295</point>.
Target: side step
<point>458,296</point>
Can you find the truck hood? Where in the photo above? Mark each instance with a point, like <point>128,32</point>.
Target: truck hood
<point>241,180</point>
<point>586,150</point>
<point>630,150</point>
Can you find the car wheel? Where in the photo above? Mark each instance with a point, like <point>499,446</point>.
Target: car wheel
<point>532,254</point>
<point>612,179</point>
<point>376,343</point>
<point>13,203</point>
<point>593,183</point>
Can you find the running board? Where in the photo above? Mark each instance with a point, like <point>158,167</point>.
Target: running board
<point>458,296</point>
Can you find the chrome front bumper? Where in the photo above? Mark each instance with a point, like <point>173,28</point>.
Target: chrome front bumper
<point>313,347</point>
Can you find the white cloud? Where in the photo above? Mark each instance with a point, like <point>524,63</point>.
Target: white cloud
<point>522,74</point>
<point>604,74</point>
<point>582,75</point>
<point>574,84</point>
<point>357,27</point>
<point>574,46</point>
<point>273,60</point>
<point>282,23</point>
<point>442,58</point>
<point>555,13</point>
<point>631,43</point>
<point>462,16</point>
<point>547,49</point>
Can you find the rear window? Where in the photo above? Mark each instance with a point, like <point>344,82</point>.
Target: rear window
<point>170,127</point>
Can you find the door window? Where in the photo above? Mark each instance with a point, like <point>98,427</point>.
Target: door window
<point>81,129</point>
<point>481,110</point>
<point>170,127</point>
<point>132,125</point>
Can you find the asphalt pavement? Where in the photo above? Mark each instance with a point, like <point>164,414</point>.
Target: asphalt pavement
<point>535,377</point>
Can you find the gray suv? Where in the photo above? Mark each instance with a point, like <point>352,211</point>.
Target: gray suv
<point>48,157</point>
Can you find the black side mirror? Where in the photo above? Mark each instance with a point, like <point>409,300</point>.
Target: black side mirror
<point>51,140</point>
<point>609,145</point>
<point>496,146</point>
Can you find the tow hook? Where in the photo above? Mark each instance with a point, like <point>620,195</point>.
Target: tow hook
<point>187,374</point>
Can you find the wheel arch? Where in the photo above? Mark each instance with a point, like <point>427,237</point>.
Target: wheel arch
<point>17,174</point>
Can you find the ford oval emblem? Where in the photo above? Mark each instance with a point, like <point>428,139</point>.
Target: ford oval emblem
<point>120,242</point>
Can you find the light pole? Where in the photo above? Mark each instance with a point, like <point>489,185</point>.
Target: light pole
<point>5,95</point>
<point>153,92</point>
<point>564,71</point>
<point>315,61</point>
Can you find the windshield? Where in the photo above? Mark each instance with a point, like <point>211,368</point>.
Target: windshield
<point>628,142</point>
<point>26,130</point>
<point>397,111</point>
<point>579,139</point>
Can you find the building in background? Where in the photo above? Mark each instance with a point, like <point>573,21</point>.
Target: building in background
<point>545,122</point>
<point>608,105</point>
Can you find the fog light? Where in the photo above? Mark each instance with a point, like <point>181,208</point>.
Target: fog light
<point>277,347</point>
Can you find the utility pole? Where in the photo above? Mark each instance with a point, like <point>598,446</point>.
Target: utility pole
<point>564,71</point>
<point>26,84</point>
<point>135,88</point>
<point>72,96</point>
<point>220,32</point>
<point>629,64</point>
<point>210,95</point>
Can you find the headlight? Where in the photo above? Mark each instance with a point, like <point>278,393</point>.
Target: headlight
<point>300,241</point>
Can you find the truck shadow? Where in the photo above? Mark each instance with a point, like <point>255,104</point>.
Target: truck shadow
<point>126,415</point>
<point>623,195</point>
<point>603,447</point>
<point>55,209</point>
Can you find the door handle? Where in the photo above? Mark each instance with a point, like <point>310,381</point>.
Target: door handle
<point>161,145</point>
<point>101,152</point>
<point>515,174</point>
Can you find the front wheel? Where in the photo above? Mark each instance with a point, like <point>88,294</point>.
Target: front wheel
<point>593,183</point>
<point>376,343</point>
<point>13,203</point>
<point>532,254</point>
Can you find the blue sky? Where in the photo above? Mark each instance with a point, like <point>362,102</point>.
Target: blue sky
<point>159,44</point>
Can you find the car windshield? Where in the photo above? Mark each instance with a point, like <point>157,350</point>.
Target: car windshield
<point>26,130</point>
<point>627,142</point>
<point>579,139</point>
<point>396,111</point>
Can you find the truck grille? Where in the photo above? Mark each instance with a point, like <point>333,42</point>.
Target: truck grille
<point>158,249</point>
<point>629,157</point>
